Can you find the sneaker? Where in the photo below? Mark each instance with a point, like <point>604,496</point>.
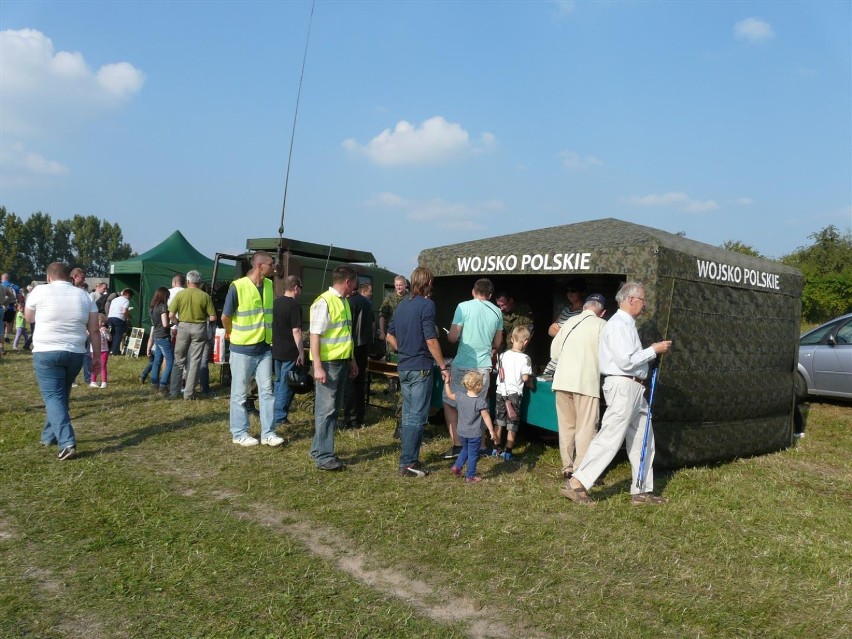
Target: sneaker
<point>69,452</point>
<point>245,440</point>
<point>272,440</point>
<point>507,455</point>
<point>456,471</point>
<point>103,384</point>
<point>454,452</point>
<point>414,470</point>
<point>73,384</point>
<point>497,452</point>
<point>332,465</point>
<point>649,499</point>
<point>473,480</point>
<point>94,385</point>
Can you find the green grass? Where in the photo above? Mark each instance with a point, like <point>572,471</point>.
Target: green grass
<point>163,528</point>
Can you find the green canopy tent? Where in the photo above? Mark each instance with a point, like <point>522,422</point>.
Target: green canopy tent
<point>154,268</point>
<point>727,387</point>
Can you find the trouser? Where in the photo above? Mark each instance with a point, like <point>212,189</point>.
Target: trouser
<point>416,391</point>
<point>328,401</point>
<point>623,422</point>
<point>189,347</point>
<point>354,397</point>
<point>577,416</point>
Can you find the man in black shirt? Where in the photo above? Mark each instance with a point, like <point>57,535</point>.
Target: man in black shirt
<point>354,395</point>
<point>287,349</point>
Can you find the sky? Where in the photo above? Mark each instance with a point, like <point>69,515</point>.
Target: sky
<point>426,123</point>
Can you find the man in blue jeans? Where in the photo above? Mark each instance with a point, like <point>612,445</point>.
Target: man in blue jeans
<point>287,350</point>
<point>247,318</point>
<point>65,317</point>
<point>413,334</point>
<point>332,352</point>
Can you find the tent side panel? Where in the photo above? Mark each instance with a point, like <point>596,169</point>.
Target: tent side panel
<point>688,444</point>
<point>732,365</point>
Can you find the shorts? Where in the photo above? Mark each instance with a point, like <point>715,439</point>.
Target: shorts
<point>9,315</point>
<point>456,377</point>
<point>502,418</point>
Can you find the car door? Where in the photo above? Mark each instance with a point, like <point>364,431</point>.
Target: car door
<point>832,362</point>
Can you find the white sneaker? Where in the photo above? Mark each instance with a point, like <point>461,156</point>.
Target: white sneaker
<point>245,440</point>
<point>94,385</point>
<point>103,384</point>
<point>272,440</point>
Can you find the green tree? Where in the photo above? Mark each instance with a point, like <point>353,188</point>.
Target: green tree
<point>739,247</point>
<point>37,243</point>
<point>84,241</point>
<point>827,267</point>
<point>12,257</point>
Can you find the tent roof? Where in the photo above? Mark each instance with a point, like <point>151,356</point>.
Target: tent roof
<point>175,249</point>
<point>613,241</point>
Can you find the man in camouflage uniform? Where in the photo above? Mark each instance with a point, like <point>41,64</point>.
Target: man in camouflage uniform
<point>514,315</point>
<point>388,307</point>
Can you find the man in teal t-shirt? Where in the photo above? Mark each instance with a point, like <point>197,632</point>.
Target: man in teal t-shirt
<point>478,329</point>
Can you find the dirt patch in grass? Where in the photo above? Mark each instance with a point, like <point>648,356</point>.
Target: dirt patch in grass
<point>482,622</point>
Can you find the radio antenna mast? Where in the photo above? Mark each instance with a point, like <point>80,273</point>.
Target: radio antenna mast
<point>293,131</point>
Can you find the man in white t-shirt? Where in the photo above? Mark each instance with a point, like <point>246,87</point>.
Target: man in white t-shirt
<point>119,313</point>
<point>64,317</point>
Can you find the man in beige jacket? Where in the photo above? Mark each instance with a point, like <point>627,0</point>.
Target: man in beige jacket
<point>576,381</point>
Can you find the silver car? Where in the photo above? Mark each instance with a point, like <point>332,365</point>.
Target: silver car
<point>825,360</point>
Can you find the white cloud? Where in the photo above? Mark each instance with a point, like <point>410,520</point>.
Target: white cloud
<point>563,8</point>
<point>434,141</point>
<point>44,94</point>
<point>753,30</point>
<point>21,167</point>
<point>438,212</point>
<point>41,87</point>
<point>573,161</point>
<point>677,200</point>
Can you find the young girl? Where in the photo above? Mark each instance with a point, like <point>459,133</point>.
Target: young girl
<point>105,338</point>
<point>473,412</point>
<point>20,326</point>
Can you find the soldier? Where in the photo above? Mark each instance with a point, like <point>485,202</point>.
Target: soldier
<point>386,310</point>
<point>514,315</point>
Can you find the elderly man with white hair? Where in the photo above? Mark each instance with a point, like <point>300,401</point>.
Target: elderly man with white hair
<point>194,307</point>
<point>624,364</point>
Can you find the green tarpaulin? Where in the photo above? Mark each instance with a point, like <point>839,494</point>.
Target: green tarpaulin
<point>154,268</point>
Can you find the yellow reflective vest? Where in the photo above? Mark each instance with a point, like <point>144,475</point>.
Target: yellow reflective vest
<point>252,321</point>
<point>336,342</point>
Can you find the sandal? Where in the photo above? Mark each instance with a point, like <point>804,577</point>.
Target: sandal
<point>577,495</point>
<point>648,498</point>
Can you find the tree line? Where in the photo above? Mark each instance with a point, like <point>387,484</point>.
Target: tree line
<point>827,267</point>
<point>83,241</point>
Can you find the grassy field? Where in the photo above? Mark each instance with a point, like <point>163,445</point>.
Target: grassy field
<point>163,528</point>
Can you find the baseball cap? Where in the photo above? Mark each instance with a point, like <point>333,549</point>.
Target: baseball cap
<point>597,297</point>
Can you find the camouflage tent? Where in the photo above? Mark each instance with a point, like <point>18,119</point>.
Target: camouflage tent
<point>727,387</point>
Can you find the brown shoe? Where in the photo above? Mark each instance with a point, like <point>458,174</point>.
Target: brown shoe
<point>577,495</point>
<point>648,498</point>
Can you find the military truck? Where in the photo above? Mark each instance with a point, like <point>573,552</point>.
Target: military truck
<point>313,263</point>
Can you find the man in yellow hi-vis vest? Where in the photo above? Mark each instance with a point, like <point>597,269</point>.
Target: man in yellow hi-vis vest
<point>332,355</point>
<point>247,318</point>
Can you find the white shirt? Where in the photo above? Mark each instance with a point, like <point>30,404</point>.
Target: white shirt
<point>118,307</point>
<point>174,290</point>
<point>515,365</point>
<point>621,352</point>
<point>62,316</point>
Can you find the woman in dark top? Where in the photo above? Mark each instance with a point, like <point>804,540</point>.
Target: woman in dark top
<point>161,336</point>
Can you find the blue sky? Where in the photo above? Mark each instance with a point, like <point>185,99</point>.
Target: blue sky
<point>428,123</point>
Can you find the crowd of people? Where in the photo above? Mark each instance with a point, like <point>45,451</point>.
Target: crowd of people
<point>75,330</point>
